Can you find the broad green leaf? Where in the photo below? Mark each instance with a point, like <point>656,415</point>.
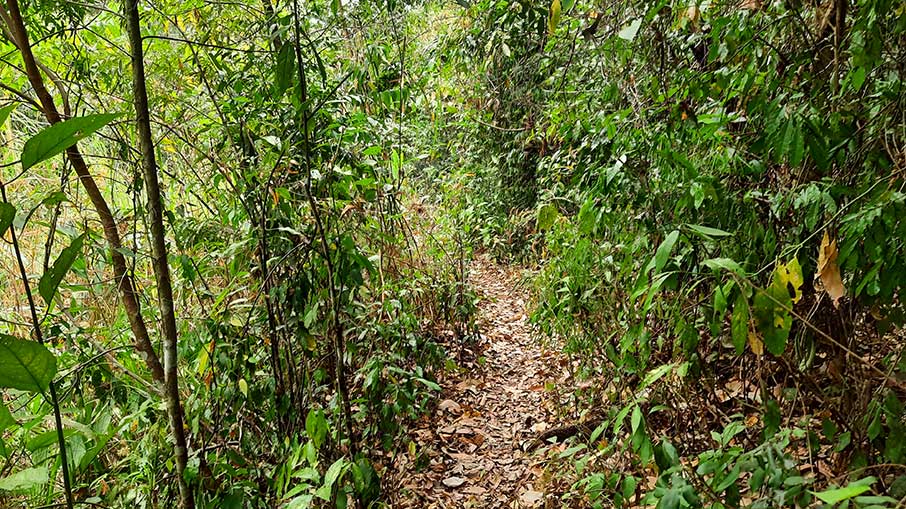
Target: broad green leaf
<point>840,494</point>
<point>60,136</point>
<point>243,387</point>
<point>7,214</point>
<point>24,479</point>
<point>739,323</point>
<point>629,31</point>
<point>285,70</point>
<point>333,473</point>
<point>51,279</point>
<point>663,251</point>
<point>25,365</point>
<point>5,112</point>
<point>707,231</point>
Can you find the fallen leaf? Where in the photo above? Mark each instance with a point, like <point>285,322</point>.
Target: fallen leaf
<point>829,271</point>
<point>448,405</point>
<point>454,482</point>
<point>531,498</point>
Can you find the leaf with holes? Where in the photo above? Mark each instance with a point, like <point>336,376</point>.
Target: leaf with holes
<point>25,365</point>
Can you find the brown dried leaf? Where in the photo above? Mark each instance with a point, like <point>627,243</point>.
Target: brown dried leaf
<point>829,271</point>
<point>454,482</point>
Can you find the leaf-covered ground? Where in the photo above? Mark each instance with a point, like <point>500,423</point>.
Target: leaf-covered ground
<point>470,452</point>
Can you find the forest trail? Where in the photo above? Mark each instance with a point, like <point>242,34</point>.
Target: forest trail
<point>488,413</point>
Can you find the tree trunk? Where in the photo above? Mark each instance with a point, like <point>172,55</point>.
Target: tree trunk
<point>158,253</point>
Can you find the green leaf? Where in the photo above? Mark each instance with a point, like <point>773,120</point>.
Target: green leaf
<point>316,426</point>
<point>6,418</point>
<point>51,279</point>
<point>25,365</point>
<point>739,323</point>
<point>663,251</point>
<point>283,74</point>
<point>840,494</point>
<point>7,214</point>
<point>5,112</point>
<point>724,264</point>
<point>60,136</point>
<point>333,473</point>
<point>547,216</point>
<point>707,231</point>
<point>24,479</point>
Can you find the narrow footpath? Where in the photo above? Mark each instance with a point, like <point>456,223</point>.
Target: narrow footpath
<point>472,448</point>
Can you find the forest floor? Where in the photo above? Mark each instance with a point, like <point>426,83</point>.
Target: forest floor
<point>470,452</point>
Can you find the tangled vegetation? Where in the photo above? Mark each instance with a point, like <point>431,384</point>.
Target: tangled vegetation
<point>236,239</point>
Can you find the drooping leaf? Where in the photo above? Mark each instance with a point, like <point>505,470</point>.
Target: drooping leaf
<point>5,112</point>
<point>7,214</point>
<point>316,426</point>
<point>24,479</point>
<point>285,70</point>
<point>663,251</point>
<point>829,271</point>
<point>739,323</point>
<point>51,279</point>
<point>25,365</point>
<point>60,136</point>
<point>554,16</point>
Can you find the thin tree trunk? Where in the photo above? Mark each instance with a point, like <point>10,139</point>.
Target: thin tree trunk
<point>125,284</point>
<point>159,253</point>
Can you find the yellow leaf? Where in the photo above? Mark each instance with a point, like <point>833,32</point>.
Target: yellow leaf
<point>756,344</point>
<point>829,271</point>
<point>203,359</point>
<point>244,387</point>
<point>554,16</point>
<point>790,276</point>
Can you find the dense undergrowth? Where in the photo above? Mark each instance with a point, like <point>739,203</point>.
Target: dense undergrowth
<point>711,199</point>
<point>708,197</point>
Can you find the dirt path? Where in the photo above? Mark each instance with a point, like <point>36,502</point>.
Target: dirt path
<point>471,448</point>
